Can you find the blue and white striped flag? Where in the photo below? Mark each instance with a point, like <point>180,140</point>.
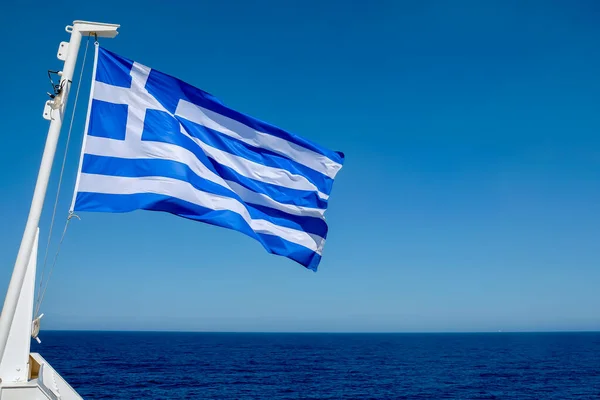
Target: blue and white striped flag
<point>154,142</point>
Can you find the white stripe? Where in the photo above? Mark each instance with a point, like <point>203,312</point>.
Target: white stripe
<point>138,100</point>
<point>246,134</point>
<point>259,172</point>
<point>139,75</point>
<point>262,199</point>
<point>185,191</point>
<point>165,151</point>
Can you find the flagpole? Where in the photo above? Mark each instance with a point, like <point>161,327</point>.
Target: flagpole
<point>55,110</point>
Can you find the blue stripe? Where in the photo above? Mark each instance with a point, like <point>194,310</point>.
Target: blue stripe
<point>98,202</point>
<point>168,90</point>
<point>308,224</point>
<point>158,128</point>
<point>113,69</point>
<point>256,154</point>
<point>113,166</point>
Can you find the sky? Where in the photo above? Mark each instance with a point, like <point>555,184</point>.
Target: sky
<point>469,199</point>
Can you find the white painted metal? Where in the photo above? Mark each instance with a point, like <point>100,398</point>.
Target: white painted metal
<point>13,323</point>
<point>15,367</point>
<point>16,281</point>
<point>98,29</point>
<point>48,110</point>
<point>45,384</point>
<point>62,51</point>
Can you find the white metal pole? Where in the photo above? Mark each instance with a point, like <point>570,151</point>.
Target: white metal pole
<point>15,286</point>
<point>37,203</point>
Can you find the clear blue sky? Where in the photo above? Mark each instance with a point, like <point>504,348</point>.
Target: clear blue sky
<point>469,199</point>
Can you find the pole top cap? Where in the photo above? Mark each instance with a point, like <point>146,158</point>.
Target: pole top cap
<point>99,29</point>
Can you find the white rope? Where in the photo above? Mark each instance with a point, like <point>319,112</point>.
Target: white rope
<point>41,292</point>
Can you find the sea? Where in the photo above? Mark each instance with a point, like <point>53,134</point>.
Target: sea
<point>159,365</point>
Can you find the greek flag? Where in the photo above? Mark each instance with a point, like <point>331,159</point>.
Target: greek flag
<point>154,142</point>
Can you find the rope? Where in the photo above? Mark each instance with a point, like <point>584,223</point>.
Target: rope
<point>41,292</point>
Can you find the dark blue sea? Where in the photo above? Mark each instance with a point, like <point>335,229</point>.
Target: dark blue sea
<point>101,365</point>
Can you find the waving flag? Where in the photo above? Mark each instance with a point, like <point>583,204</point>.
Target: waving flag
<point>154,142</point>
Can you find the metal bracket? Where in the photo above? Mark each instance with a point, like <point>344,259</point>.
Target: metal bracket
<point>35,328</point>
<point>99,29</point>
<point>62,51</point>
<point>48,110</point>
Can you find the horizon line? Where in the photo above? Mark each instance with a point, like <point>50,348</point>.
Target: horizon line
<point>316,332</point>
